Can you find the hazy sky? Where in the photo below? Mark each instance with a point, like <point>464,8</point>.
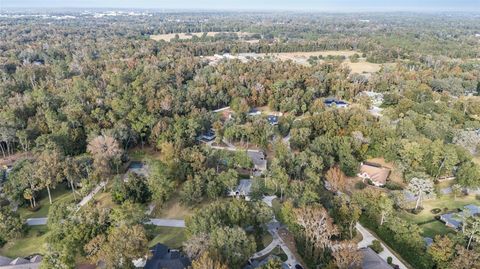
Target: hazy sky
<point>327,5</point>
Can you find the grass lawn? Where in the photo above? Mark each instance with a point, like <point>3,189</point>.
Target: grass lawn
<point>32,243</point>
<point>267,239</point>
<point>143,154</point>
<point>104,200</point>
<point>277,207</point>
<point>61,193</point>
<point>426,219</point>
<point>174,209</point>
<point>170,236</point>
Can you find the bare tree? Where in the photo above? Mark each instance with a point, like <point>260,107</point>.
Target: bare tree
<point>318,229</point>
<point>336,179</point>
<point>106,152</point>
<point>346,255</point>
<point>420,187</point>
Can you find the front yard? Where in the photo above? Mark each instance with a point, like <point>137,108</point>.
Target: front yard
<point>171,236</point>
<point>61,193</point>
<point>32,243</point>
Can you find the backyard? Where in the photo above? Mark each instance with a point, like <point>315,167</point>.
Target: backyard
<point>446,203</point>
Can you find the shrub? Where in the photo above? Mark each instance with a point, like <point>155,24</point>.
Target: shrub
<point>394,186</point>
<point>360,185</point>
<point>417,210</point>
<point>376,246</point>
<point>436,210</point>
<point>389,260</point>
<point>477,196</point>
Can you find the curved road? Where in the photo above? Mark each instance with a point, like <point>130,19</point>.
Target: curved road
<point>367,240</point>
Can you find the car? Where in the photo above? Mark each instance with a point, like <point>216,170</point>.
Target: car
<point>298,266</point>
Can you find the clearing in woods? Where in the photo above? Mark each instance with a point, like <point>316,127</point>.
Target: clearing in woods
<point>360,67</point>
<point>169,37</point>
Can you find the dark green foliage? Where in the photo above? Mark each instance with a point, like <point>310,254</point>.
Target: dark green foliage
<point>376,246</point>
<point>133,188</point>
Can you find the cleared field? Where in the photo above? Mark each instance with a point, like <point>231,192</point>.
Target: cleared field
<point>361,67</point>
<point>184,36</point>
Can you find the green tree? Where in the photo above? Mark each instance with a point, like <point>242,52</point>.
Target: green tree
<point>11,224</point>
<point>232,245</point>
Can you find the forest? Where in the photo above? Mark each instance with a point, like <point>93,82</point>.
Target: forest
<point>81,95</point>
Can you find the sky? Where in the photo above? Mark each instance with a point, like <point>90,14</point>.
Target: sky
<point>312,5</point>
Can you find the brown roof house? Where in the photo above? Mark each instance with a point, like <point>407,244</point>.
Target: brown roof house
<point>377,174</point>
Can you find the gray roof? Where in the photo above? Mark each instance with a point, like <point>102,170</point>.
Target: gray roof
<point>21,263</point>
<point>258,159</point>
<point>4,260</point>
<point>371,260</point>
<point>163,257</point>
<point>244,187</point>
<point>454,220</point>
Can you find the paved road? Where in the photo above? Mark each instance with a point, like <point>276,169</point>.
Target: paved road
<point>269,199</point>
<point>156,222</point>
<point>367,240</point>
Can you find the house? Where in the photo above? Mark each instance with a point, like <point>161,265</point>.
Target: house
<point>207,136</point>
<point>254,112</point>
<point>163,257</point>
<point>371,260</point>
<point>334,102</point>
<point>138,168</point>
<point>377,174</point>
<point>454,220</point>
<point>20,263</point>
<point>272,119</point>
<point>259,161</point>
<point>243,189</point>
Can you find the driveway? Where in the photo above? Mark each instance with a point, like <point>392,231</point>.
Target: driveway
<point>367,240</point>
<point>89,197</point>
<point>36,221</point>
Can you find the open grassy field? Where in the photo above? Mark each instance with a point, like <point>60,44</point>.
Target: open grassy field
<point>32,243</point>
<point>169,37</point>
<point>61,193</point>
<point>170,236</point>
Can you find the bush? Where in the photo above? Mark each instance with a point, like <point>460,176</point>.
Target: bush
<point>394,186</point>
<point>389,260</point>
<point>360,185</point>
<point>477,196</point>
<point>417,210</point>
<point>376,246</point>
<point>134,189</point>
<point>436,211</point>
